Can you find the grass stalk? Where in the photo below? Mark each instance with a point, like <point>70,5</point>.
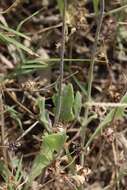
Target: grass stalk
<point>58,109</point>
<point>116,10</point>
<point>90,77</point>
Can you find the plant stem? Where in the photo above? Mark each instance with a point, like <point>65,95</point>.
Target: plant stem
<point>15,4</point>
<point>116,10</point>
<point>113,11</point>
<point>90,76</point>
<point>58,109</point>
<point>2,124</point>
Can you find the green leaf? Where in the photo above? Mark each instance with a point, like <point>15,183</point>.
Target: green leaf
<point>67,102</point>
<point>80,85</point>
<point>95,5</point>
<point>14,115</point>
<point>33,66</point>
<point>18,72</point>
<point>11,40</point>
<point>70,105</point>
<point>77,104</point>
<point>3,170</point>
<point>18,166</point>
<point>120,111</point>
<point>61,5</point>
<point>54,141</point>
<point>115,113</point>
<point>43,113</point>
<point>27,68</point>
<point>40,162</point>
<point>52,144</point>
<point>14,32</point>
<point>28,18</point>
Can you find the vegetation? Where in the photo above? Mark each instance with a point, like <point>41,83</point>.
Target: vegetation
<point>63,95</point>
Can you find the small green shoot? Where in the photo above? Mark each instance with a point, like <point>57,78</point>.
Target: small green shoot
<point>71,106</point>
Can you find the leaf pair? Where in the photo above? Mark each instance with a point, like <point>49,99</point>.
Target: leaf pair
<point>70,105</point>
